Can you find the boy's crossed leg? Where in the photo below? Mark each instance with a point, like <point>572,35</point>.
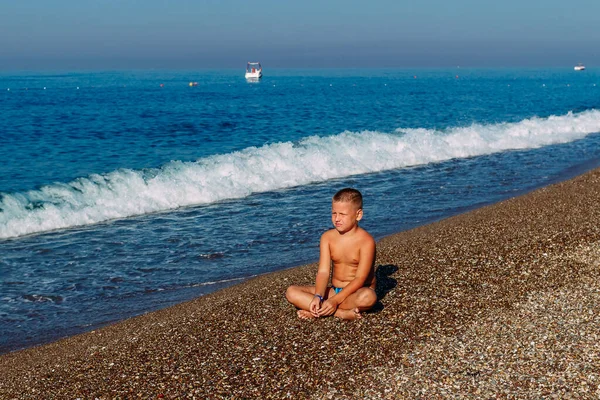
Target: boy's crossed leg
<point>361,300</point>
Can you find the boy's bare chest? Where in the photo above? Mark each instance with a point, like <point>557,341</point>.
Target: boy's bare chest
<point>345,252</point>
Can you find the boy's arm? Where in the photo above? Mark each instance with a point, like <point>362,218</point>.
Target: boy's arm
<point>364,269</point>
<point>322,278</point>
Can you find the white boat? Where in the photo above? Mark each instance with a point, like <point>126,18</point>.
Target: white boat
<point>579,67</point>
<point>253,70</point>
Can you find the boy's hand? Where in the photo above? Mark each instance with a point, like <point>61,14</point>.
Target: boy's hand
<point>327,308</point>
<point>314,306</point>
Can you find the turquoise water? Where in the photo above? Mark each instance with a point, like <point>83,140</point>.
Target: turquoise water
<point>119,196</point>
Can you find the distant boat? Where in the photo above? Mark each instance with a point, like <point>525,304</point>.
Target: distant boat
<point>579,67</point>
<point>253,70</point>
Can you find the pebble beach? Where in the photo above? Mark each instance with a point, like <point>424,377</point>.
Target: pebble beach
<point>500,302</point>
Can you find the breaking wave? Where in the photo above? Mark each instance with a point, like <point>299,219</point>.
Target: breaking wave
<point>124,193</point>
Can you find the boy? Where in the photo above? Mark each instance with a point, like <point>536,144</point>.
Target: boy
<point>351,250</point>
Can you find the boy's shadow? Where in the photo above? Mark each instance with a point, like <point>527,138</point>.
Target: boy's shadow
<point>384,284</point>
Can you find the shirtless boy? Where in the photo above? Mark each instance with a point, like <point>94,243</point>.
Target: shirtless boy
<point>351,250</point>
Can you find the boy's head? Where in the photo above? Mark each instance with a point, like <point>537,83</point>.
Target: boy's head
<point>346,209</point>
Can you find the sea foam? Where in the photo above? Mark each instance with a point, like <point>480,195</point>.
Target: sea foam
<point>124,193</point>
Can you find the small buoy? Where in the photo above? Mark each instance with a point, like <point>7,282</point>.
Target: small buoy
<point>456,77</point>
<point>415,77</point>
<point>544,85</point>
<point>77,87</point>
<point>44,87</point>
<point>385,84</point>
<point>162,85</point>
<point>8,89</point>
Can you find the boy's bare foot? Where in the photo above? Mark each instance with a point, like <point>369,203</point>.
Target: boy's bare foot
<point>348,314</point>
<point>303,314</point>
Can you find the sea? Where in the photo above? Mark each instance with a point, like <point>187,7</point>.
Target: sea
<point>124,192</point>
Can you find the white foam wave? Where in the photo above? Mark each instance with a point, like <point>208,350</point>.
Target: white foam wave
<point>125,193</point>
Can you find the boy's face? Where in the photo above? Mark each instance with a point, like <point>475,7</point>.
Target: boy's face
<point>345,215</point>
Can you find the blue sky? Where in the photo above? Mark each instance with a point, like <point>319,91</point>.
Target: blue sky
<point>126,34</point>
